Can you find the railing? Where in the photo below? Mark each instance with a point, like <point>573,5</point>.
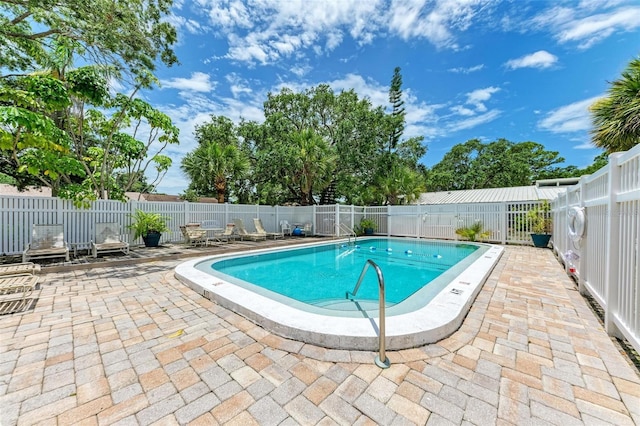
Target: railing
<point>605,260</point>
<point>342,228</point>
<point>381,360</point>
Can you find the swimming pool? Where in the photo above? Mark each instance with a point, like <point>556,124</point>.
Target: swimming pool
<point>265,286</point>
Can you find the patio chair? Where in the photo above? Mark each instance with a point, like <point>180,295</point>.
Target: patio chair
<point>17,287</point>
<point>228,234</point>
<point>19,268</point>
<point>193,234</point>
<point>260,229</point>
<point>285,228</point>
<point>307,229</point>
<point>108,239</point>
<point>47,241</point>
<point>244,234</point>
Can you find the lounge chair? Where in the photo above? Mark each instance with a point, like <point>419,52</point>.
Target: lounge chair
<point>108,239</point>
<point>285,228</point>
<point>260,230</point>
<point>17,287</point>
<point>19,268</point>
<point>47,241</point>
<point>244,234</point>
<point>194,235</point>
<point>228,234</point>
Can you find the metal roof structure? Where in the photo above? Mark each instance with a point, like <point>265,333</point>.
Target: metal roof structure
<point>543,190</point>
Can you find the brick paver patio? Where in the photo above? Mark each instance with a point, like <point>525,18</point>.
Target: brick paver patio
<point>129,344</point>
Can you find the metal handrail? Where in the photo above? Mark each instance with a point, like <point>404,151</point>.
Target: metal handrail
<point>381,359</point>
<point>350,232</point>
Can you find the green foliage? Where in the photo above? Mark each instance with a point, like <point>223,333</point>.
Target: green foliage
<point>474,232</point>
<point>616,118</point>
<point>218,163</point>
<point>476,165</point>
<point>6,179</point>
<point>396,120</point>
<point>148,222</point>
<point>540,219</point>
<point>365,223</point>
<point>190,195</point>
<point>130,35</point>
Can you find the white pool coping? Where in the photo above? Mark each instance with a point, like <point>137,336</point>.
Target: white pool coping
<point>429,324</point>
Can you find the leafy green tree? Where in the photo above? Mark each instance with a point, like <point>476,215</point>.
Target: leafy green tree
<point>217,161</point>
<point>352,129</point>
<point>312,165</point>
<point>396,121</point>
<point>80,151</point>
<point>400,185</point>
<point>131,35</point>
<point>616,118</point>
<point>476,165</point>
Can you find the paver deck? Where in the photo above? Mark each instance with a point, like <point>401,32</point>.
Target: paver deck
<point>129,344</point>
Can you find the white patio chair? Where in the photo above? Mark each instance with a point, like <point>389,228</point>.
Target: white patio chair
<point>285,227</point>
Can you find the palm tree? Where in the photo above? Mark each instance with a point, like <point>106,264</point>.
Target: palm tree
<point>313,164</point>
<point>211,166</point>
<point>401,185</point>
<point>616,118</point>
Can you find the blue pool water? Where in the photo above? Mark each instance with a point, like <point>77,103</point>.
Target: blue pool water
<point>321,275</point>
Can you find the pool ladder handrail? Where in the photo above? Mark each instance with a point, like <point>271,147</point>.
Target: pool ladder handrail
<point>348,231</point>
<point>381,359</point>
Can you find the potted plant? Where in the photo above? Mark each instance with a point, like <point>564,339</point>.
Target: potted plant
<point>367,226</point>
<point>541,223</point>
<point>474,232</point>
<point>149,226</point>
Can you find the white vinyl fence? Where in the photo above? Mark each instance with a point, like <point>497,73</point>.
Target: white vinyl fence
<point>505,221</point>
<point>19,214</point>
<point>606,259</point>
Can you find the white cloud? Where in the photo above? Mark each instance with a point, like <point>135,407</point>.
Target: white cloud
<point>433,20</point>
<point>585,145</point>
<point>199,82</point>
<point>461,110</point>
<point>574,117</point>
<point>274,29</point>
<point>474,121</point>
<point>190,25</point>
<point>592,29</point>
<point>238,85</point>
<point>540,59</point>
<point>467,70</point>
<point>300,70</point>
<point>478,97</point>
<point>580,25</point>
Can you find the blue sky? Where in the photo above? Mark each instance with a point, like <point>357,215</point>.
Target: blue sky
<point>520,70</point>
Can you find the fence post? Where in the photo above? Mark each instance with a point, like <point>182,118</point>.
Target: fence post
<point>187,212</point>
<point>314,222</point>
<point>612,247</point>
<point>503,223</point>
<point>337,220</point>
<point>584,246</point>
